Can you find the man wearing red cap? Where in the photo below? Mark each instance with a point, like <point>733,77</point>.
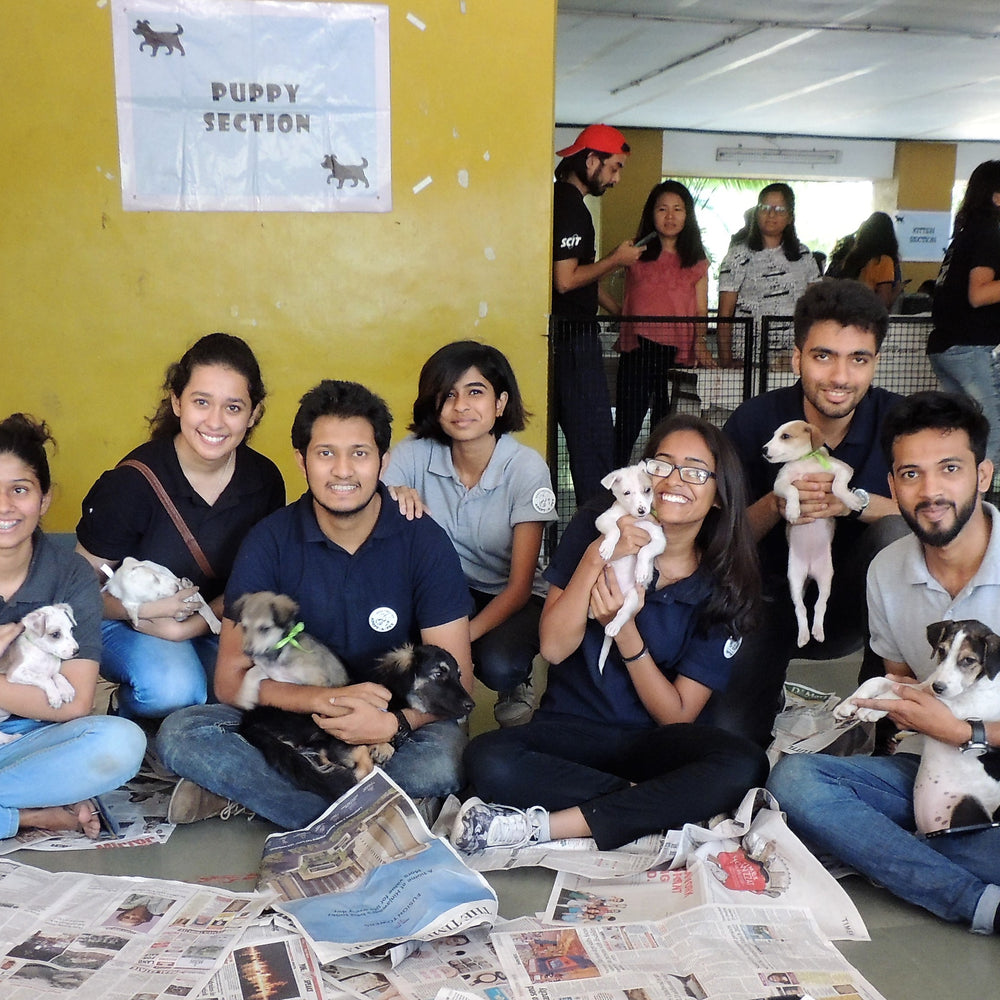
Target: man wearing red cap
<point>583,407</point>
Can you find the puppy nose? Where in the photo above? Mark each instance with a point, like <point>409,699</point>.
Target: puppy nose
<point>763,451</point>
<point>938,687</point>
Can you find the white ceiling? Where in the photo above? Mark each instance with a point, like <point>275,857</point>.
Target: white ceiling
<point>891,69</point>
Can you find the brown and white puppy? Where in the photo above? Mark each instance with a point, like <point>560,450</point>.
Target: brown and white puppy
<point>799,446</point>
<point>36,655</point>
<point>424,678</point>
<point>953,788</point>
<point>632,488</point>
<point>281,651</point>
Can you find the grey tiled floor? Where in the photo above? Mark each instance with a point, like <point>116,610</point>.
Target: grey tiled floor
<point>912,956</point>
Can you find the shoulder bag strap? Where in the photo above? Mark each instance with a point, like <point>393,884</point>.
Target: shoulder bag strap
<point>179,523</point>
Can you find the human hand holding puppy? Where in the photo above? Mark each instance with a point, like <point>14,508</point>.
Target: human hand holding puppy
<point>918,709</point>
<point>358,718</point>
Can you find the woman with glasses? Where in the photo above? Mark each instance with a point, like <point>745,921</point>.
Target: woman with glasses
<point>765,274</point>
<point>669,279</point>
<point>631,751</point>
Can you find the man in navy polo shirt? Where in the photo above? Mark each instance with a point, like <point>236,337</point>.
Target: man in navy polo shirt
<point>367,581</point>
<point>839,328</point>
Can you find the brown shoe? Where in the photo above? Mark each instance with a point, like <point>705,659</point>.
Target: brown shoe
<point>190,803</point>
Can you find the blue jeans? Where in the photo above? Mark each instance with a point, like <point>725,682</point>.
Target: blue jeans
<point>201,743</point>
<point>860,809</point>
<point>974,370</point>
<point>682,773</point>
<point>58,763</point>
<point>503,656</point>
<point>156,676</point>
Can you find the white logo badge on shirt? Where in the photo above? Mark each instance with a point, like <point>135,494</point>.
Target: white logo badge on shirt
<point>383,619</point>
<point>732,646</point>
<point>543,500</point>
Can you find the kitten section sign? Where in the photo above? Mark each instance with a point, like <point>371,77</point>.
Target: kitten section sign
<point>253,105</point>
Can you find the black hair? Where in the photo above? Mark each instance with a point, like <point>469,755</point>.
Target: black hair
<point>25,437</point>
<point>789,238</point>
<point>575,165</point>
<point>690,248</point>
<point>332,398</point>
<point>977,203</point>
<point>445,367</point>
<point>934,410</point>
<point>222,349</point>
<point>728,550</point>
<point>875,238</point>
<point>848,303</point>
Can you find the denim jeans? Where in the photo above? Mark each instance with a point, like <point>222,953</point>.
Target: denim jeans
<point>156,676</point>
<point>974,370</point>
<point>682,773</point>
<point>860,809</point>
<point>201,743</point>
<point>57,763</point>
<point>503,656</point>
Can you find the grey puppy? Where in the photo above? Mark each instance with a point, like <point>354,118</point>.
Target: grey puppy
<point>280,650</point>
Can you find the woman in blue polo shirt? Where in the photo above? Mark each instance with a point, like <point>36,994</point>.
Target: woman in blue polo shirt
<point>631,751</point>
<point>52,760</point>
<point>219,487</point>
<point>493,496</point>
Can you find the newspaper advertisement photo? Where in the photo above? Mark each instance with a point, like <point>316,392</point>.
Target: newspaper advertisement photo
<point>711,951</point>
<point>368,873</point>
<point>113,937</point>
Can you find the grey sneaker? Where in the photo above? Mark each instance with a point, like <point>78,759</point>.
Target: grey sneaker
<point>478,826</point>
<point>190,803</point>
<point>515,708</point>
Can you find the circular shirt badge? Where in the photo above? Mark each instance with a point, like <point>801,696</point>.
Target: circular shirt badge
<point>543,500</point>
<point>732,646</point>
<point>383,619</point>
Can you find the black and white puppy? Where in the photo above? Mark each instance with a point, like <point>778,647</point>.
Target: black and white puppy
<point>424,678</point>
<point>953,788</point>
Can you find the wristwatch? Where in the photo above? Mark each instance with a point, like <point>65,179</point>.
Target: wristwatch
<point>865,497</point>
<point>978,743</point>
<point>404,732</point>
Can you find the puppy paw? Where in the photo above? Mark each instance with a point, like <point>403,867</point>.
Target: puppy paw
<point>607,548</point>
<point>845,710</point>
<point>361,761</point>
<point>381,752</point>
<point>803,637</point>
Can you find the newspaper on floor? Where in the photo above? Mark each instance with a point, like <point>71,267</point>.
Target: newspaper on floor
<point>807,725</point>
<point>578,855</point>
<point>269,963</point>
<point>368,873</point>
<point>139,808</point>
<point>722,952</point>
<point>117,938</point>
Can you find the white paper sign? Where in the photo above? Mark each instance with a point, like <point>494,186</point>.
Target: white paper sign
<point>923,236</point>
<point>253,106</point>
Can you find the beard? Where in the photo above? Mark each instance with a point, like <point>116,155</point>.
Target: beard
<point>940,534</point>
<point>342,512</point>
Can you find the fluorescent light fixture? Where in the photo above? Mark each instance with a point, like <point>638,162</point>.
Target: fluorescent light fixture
<point>749,154</point>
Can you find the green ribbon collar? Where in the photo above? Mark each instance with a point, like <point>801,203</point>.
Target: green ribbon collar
<point>290,639</point>
<point>821,456</point>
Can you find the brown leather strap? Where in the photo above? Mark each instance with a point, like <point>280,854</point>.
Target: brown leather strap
<point>175,515</point>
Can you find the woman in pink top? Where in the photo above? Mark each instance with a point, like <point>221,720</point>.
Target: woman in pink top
<point>669,279</point>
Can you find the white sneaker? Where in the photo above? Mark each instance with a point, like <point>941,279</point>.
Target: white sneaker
<point>516,707</point>
<point>479,826</point>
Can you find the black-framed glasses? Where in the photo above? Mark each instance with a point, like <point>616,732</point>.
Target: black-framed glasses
<point>773,209</point>
<point>688,473</point>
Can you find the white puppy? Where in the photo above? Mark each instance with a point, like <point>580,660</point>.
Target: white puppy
<point>799,445</point>
<point>633,491</point>
<point>138,581</point>
<point>952,787</point>
<point>36,655</point>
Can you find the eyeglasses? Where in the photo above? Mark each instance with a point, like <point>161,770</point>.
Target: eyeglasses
<point>689,474</point>
<point>772,209</point>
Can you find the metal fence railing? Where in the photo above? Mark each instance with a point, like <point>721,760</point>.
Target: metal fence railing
<point>714,393</point>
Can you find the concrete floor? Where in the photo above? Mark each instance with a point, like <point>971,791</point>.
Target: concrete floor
<point>912,955</point>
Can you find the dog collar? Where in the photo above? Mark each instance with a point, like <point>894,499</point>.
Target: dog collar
<point>290,639</point>
<point>821,456</point>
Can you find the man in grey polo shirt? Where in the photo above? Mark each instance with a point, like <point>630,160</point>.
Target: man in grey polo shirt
<point>860,809</point>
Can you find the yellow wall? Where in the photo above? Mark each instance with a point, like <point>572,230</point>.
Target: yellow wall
<point>96,301</point>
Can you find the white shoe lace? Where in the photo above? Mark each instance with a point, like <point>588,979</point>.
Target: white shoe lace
<point>510,829</point>
<point>231,809</point>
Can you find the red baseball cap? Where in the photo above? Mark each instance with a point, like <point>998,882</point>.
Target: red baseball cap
<point>602,138</point>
